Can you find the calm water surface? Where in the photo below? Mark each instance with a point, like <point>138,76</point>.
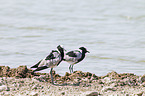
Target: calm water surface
<point>112,30</point>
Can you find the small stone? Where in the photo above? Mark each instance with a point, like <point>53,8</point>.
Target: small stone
<point>93,94</point>
<point>67,74</point>
<point>2,88</point>
<point>63,93</point>
<point>105,89</point>
<point>57,76</point>
<point>13,89</point>
<point>107,80</point>
<point>34,87</point>
<point>7,89</point>
<point>139,94</point>
<point>79,78</point>
<point>78,72</point>
<point>112,85</point>
<point>76,84</point>
<point>20,85</point>
<point>33,94</point>
<point>126,94</point>
<point>15,85</point>
<point>89,77</point>
<point>100,82</point>
<point>1,84</point>
<point>88,74</point>
<point>143,78</point>
<point>21,81</point>
<point>94,77</point>
<point>143,84</point>
<point>85,79</point>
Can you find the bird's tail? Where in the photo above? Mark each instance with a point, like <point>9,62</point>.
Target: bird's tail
<point>36,65</point>
<point>40,68</point>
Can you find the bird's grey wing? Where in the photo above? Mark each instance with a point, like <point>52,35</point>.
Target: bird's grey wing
<point>51,55</point>
<point>71,54</point>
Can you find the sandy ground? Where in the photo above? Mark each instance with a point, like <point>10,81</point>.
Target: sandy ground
<point>76,84</point>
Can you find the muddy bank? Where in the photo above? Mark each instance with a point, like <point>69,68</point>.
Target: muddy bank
<point>21,81</point>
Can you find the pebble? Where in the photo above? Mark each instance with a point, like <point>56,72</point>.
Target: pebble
<point>1,84</point>
<point>139,94</point>
<point>93,94</point>
<point>7,89</point>
<point>143,84</point>
<point>62,93</point>
<point>142,78</point>
<point>34,87</point>
<point>107,80</point>
<point>107,88</point>
<point>33,94</point>
<point>3,87</point>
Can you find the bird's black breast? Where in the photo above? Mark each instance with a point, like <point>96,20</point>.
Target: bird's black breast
<point>71,54</point>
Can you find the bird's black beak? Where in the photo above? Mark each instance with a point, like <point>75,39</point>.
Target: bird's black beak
<point>88,51</point>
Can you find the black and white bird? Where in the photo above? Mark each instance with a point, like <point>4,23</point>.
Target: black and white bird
<point>74,57</point>
<point>51,61</point>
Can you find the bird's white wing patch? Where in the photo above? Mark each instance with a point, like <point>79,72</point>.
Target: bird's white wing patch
<point>42,63</point>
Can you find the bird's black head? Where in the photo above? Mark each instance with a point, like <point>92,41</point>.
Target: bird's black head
<point>84,49</point>
<point>60,48</point>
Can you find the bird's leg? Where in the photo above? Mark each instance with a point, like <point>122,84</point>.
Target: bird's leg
<point>70,68</point>
<point>51,75</point>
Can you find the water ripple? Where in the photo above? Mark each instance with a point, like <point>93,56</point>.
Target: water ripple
<point>36,28</point>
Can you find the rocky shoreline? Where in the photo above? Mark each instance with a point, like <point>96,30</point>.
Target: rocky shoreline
<point>21,81</point>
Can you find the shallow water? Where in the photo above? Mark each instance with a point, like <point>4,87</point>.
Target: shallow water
<point>113,31</point>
